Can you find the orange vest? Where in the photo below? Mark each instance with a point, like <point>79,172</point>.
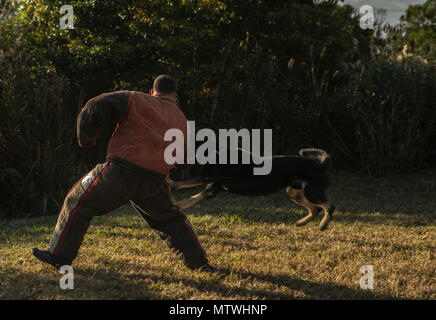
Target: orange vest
<point>139,135</point>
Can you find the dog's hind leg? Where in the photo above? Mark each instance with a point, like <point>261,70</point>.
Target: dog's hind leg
<point>315,194</point>
<point>298,197</point>
<point>328,213</point>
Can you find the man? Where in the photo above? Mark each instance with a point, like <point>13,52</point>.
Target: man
<point>135,171</point>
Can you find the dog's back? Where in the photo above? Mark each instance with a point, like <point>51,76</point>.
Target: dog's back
<point>311,164</point>
<point>304,176</point>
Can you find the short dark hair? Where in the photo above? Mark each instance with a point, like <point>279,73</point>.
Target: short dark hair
<point>165,84</point>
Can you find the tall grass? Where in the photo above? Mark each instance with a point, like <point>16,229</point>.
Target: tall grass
<point>384,116</point>
<point>37,146</point>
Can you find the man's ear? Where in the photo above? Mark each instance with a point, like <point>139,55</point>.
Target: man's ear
<point>173,95</point>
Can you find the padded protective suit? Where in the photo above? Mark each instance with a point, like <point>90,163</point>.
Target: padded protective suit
<point>134,171</point>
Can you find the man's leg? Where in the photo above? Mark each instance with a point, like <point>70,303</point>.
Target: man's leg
<point>171,225</point>
<point>99,192</point>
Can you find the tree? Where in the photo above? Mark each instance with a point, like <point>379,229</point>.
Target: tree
<point>420,29</point>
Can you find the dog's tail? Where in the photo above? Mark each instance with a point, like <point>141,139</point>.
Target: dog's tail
<point>318,155</point>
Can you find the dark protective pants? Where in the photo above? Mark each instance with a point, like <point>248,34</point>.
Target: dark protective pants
<point>111,185</point>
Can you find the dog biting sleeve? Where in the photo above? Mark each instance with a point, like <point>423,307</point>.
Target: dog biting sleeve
<point>103,110</point>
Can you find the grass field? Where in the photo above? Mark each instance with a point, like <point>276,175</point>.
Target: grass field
<point>388,223</point>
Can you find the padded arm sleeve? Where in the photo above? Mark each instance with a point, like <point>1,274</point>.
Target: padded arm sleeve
<point>105,109</point>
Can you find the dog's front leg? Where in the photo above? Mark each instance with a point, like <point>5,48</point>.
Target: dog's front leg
<point>193,200</point>
<point>190,183</point>
<point>190,202</point>
<point>170,181</point>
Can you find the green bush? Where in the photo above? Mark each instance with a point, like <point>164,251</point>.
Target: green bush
<point>304,70</point>
<point>37,162</point>
<point>383,118</point>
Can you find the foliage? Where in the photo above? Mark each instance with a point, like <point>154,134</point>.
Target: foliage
<point>419,30</point>
<point>383,118</point>
<point>304,70</point>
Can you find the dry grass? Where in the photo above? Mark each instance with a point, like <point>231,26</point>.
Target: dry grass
<point>387,223</point>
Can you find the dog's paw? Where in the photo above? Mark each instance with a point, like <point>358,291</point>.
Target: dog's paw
<point>323,227</point>
<point>325,222</point>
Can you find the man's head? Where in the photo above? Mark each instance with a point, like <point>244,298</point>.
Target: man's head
<point>165,85</point>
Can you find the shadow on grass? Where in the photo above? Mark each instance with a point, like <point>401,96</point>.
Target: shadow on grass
<point>153,276</point>
<point>108,283</point>
<point>276,214</point>
<point>314,290</point>
<point>89,284</point>
<point>311,290</point>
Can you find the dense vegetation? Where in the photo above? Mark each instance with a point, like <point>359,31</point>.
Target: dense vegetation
<point>307,71</point>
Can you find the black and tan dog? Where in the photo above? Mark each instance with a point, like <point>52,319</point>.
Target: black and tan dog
<point>304,177</point>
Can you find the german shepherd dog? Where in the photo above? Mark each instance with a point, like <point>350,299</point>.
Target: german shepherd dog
<point>304,176</point>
